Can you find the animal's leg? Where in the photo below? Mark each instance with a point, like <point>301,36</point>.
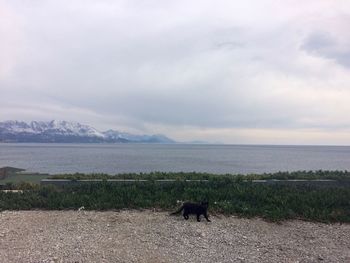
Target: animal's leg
<point>206,217</point>
<point>198,219</point>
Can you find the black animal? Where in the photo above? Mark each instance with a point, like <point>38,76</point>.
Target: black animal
<point>194,209</point>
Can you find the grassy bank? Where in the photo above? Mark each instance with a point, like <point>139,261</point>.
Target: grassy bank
<point>13,176</point>
<point>226,195</point>
<point>320,174</point>
<point>19,178</point>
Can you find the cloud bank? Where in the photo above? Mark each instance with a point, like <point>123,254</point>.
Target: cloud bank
<point>253,72</point>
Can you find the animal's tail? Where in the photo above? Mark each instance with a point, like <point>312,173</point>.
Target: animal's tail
<point>178,211</point>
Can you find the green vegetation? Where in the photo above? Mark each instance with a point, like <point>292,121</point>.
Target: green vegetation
<point>335,175</point>
<point>19,178</point>
<point>143,176</point>
<point>15,176</point>
<point>309,175</point>
<point>12,175</point>
<point>226,195</point>
<point>7,171</point>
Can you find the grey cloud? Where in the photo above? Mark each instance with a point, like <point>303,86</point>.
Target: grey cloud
<point>324,45</point>
<point>164,64</point>
<point>318,42</point>
<point>343,58</point>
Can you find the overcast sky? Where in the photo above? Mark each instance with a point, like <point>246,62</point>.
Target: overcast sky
<point>253,71</point>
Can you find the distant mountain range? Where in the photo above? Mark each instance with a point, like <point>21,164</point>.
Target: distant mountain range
<point>69,132</point>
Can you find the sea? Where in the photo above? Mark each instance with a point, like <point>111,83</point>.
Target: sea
<point>144,158</point>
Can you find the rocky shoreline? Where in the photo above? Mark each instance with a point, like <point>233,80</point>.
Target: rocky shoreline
<point>150,236</point>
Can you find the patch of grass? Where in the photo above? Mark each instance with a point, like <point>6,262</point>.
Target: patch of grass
<point>320,174</point>
<point>142,176</point>
<point>12,176</point>
<point>19,178</point>
<point>224,195</point>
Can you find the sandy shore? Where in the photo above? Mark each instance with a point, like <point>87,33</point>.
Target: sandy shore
<point>147,236</point>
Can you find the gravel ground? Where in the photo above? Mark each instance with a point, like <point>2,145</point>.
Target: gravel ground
<point>148,236</point>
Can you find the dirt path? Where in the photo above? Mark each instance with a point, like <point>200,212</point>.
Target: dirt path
<point>134,236</point>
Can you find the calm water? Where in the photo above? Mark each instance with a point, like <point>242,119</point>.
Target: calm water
<point>121,158</point>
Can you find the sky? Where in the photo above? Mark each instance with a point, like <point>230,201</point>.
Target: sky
<point>235,72</point>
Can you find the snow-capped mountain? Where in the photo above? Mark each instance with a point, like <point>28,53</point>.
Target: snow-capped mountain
<point>53,127</point>
<point>63,131</point>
